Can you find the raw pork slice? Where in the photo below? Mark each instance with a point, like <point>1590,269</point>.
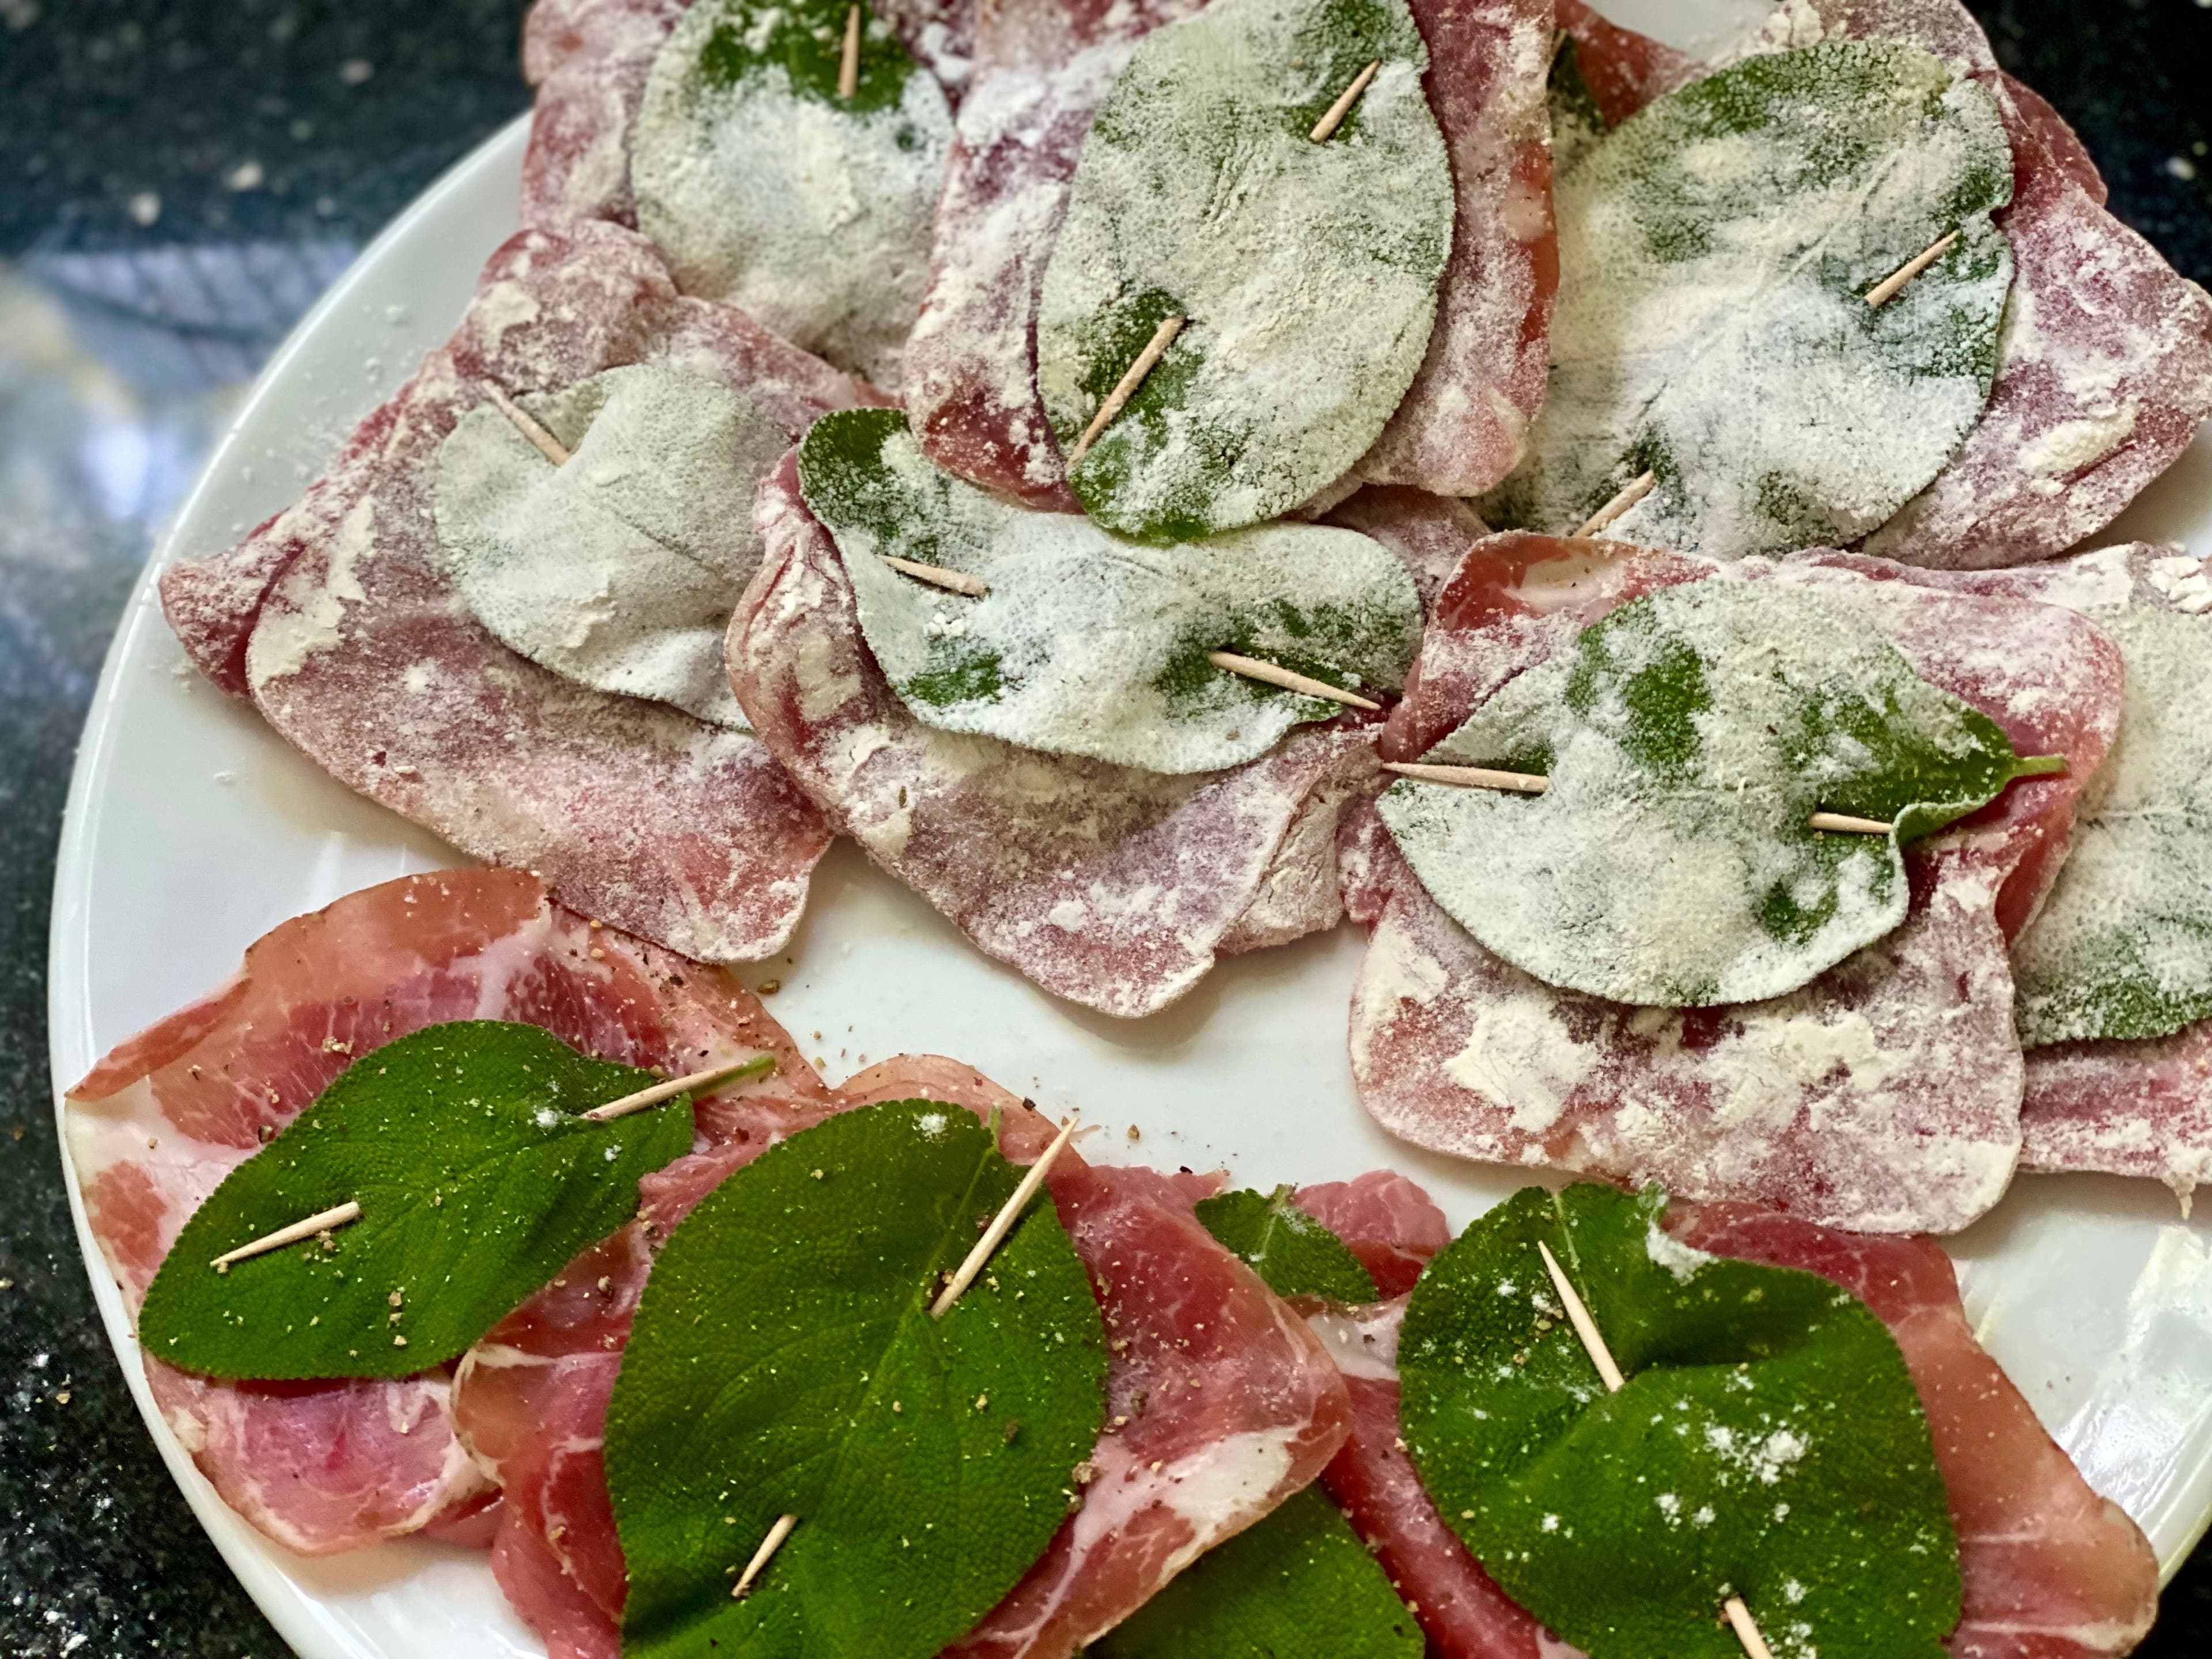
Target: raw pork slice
<point>323,1466</point>
<point>2132,1108</point>
<point>1041,68</point>
<point>1109,886</point>
<point>1464,422</point>
<point>2104,367</point>
<point>1214,1386</point>
<point>2052,1570</point>
<point>1886,1094</point>
<point>589,60</point>
<point>334,618</point>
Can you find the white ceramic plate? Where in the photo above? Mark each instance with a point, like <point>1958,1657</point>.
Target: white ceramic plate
<point>192,829</point>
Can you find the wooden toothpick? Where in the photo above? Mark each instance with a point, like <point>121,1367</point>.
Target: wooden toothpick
<point>1003,1223</point>
<point>1886,290</point>
<point>954,581</point>
<point>1126,387</point>
<point>1630,493</point>
<point>769,1545</point>
<point>322,1221</point>
<point>658,1092</point>
<point>547,445</point>
<point>1534,783</point>
<point>1578,1316</point>
<point>849,67</point>
<point>1333,117</point>
<point>1253,669</point>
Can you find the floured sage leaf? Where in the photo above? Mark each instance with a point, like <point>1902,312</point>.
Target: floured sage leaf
<point>784,1362</point>
<point>1296,1254</point>
<point>2123,947</point>
<point>478,1178</point>
<point>1308,272</point>
<point>618,570</point>
<point>1714,252</point>
<point>1769,1443</point>
<point>1089,643</point>
<point>764,187</point>
<point>1689,737</point>
<point>1299,1584</point>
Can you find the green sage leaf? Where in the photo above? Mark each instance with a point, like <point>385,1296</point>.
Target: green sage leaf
<point>1088,644</point>
<point>1769,1443</point>
<point>764,188</point>
<point>1296,1254</point>
<point>1307,272</point>
<point>1689,737</point>
<point>2123,947</point>
<point>1715,249</point>
<point>477,1180</point>
<point>1297,1585</point>
<point>784,1361</point>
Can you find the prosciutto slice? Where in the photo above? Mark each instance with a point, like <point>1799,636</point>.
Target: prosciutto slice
<point>588,60</point>
<point>2104,368</point>
<point>324,1466</point>
<point>334,619</point>
<point>1427,532</point>
<point>2136,1107</point>
<point>1885,1095</point>
<point>2052,1570</point>
<point>1112,887</point>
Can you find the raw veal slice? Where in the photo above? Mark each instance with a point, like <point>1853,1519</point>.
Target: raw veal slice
<point>323,1466</point>
<point>1884,1096</point>
<point>1464,422</point>
<point>356,648</point>
<point>764,184</point>
<point>1085,643</point>
<point>2141,1107</point>
<point>1688,737</point>
<point>1306,270</point>
<point>1715,249</point>
<point>1109,886</point>
<point>619,568</point>
<point>2105,363</point>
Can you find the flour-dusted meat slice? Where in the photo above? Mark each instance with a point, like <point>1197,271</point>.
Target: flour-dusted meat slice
<point>1041,68</point>
<point>1464,422</point>
<point>359,652</point>
<point>2117,1107</point>
<point>2104,368</point>
<point>1109,886</point>
<point>1885,1094</point>
<point>1429,534</point>
<point>530,1400</point>
<point>1389,1223</point>
<point>2052,1570</point>
<point>588,60</point>
<point>153,1129</point>
<point>1220,1401</point>
<point>1622,70</point>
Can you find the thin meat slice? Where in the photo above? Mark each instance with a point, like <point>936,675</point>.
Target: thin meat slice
<point>1622,70</point>
<point>1464,422</point>
<point>589,60</point>
<point>1041,68</point>
<point>566,1619</point>
<point>2141,1107</point>
<point>1884,1096</point>
<point>2105,369</point>
<point>1112,887</point>
<point>2052,1570</point>
<point>1429,534</point>
<point>1389,1223</point>
<point>337,620</point>
<point>1221,1402</point>
<point>323,1466</point>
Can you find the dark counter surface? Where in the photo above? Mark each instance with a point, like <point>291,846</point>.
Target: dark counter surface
<point>179,180</point>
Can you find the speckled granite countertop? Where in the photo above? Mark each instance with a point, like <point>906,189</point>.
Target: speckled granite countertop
<point>179,180</point>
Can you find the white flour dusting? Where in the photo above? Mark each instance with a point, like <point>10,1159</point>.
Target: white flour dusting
<point>620,570</point>
<point>764,189</point>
